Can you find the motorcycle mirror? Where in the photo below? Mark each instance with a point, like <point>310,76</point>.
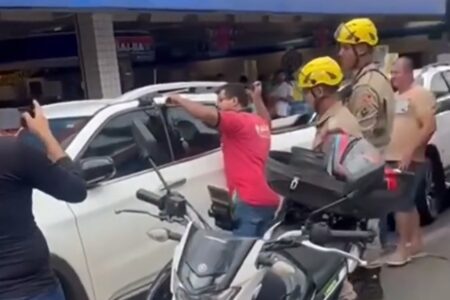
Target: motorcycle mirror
<point>145,142</point>
<point>159,234</point>
<point>283,269</point>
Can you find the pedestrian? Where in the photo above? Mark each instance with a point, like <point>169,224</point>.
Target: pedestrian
<point>281,95</point>
<point>298,105</point>
<point>245,146</point>
<point>25,270</point>
<point>370,98</point>
<point>320,79</point>
<point>370,95</point>
<point>414,125</point>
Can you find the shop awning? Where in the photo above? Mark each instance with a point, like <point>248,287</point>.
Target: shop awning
<point>347,7</point>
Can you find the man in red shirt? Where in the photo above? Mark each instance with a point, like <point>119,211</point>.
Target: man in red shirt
<point>245,146</point>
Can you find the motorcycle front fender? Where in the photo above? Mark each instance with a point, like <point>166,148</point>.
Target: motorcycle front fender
<point>160,287</point>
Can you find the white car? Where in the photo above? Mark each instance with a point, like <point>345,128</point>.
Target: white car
<point>100,255</point>
<point>96,253</point>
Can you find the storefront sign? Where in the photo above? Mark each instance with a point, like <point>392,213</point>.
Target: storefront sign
<point>12,79</point>
<point>141,48</point>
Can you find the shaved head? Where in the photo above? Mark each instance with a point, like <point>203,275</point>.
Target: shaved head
<point>402,74</point>
<point>405,63</point>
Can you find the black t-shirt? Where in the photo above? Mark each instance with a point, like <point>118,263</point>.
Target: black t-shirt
<point>24,256</point>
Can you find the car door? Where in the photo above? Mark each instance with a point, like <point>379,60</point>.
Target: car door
<point>441,136</point>
<point>121,257</point>
<point>197,155</point>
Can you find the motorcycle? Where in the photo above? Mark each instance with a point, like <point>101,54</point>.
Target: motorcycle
<point>308,261</point>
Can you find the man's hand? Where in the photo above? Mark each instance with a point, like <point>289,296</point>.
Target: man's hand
<point>405,161</point>
<point>257,88</point>
<point>39,124</point>
<point>40,127</point>
<point>174,100</point>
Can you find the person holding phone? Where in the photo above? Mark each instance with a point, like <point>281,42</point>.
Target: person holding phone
<point>25,271</point>
<point>245,146</point>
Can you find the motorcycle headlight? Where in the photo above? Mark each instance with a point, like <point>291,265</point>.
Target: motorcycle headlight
<point>229,294</point>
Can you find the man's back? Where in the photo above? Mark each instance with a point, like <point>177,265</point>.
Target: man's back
<point>245,146</point>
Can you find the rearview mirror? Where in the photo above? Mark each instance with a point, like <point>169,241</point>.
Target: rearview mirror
<point>97,169</point>
<point>159,234</point>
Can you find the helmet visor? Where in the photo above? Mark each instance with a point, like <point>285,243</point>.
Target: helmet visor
<point>343,34</point>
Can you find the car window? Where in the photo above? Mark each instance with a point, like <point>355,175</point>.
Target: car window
<point>64,130</point>
<point>440,83</point>
<point>443,105</point>
<point>189,136</point>
<point>115,140</point>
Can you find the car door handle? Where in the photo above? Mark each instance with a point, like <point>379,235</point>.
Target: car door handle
<point>174,184</point>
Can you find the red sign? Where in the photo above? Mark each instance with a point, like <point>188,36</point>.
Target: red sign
<point>134,43</point>
<point>222,38</point>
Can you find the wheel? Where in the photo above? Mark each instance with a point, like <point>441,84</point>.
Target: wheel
<point>429,199</point>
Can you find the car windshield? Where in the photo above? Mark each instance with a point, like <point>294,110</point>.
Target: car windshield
<point>64,130</point>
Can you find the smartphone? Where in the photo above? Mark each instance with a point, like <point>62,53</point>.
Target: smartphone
<point>10,119</point>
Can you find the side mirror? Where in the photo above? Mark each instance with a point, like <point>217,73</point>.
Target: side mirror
<point>97,169</point>
<point>162,235</point>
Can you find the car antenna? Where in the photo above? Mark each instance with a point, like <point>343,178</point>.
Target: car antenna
<point>143,136</point>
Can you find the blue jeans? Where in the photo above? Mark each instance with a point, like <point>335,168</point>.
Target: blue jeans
<point>55,293</point>
<point>252,221</point>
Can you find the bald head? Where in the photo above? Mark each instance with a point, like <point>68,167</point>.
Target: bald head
<point>402,74</point>
<point>405,63</point>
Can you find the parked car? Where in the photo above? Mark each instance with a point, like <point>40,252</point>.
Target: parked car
<point>96,253</point>
<point>100,255</point>
<point>435,77</point>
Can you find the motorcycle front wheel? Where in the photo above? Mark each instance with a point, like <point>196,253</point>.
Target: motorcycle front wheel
<point>160,287</point>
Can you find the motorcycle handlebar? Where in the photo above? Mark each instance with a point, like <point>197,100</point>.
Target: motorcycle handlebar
<point>149,197</point>
<point>352,236</point>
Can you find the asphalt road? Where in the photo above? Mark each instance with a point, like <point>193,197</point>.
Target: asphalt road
<point>425,278</point>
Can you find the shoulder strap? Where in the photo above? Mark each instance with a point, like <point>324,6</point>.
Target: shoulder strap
<point>376,70</point>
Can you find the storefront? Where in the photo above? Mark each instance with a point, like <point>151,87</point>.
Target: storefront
<point>114,46</point>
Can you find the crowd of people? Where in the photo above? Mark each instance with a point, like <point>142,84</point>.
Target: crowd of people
<point>393,114</point>
<point>398,123</point>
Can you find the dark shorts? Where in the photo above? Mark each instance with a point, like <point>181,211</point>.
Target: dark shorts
<point>411,186</point>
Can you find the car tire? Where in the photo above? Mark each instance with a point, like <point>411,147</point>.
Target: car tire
<point>430,195</point>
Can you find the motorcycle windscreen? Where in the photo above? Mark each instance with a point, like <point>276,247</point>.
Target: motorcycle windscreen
<point>211,259</point>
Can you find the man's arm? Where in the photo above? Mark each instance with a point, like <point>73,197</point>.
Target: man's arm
<point>207,114</point>
<point>424,108</point>
<point>60,179</point>
<point>364,104</point>
<point>260,107</point>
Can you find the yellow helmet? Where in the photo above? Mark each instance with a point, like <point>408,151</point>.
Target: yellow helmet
<point>322,70</point>
<point>357,31</point>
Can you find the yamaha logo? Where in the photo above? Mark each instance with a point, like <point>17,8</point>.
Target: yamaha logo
<point>202,268</point>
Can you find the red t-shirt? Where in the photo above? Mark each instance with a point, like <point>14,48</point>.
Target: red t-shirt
<point>245,147</point>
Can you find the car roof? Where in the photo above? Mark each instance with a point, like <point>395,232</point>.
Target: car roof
<point>79,108</point>
<point>88,108</point>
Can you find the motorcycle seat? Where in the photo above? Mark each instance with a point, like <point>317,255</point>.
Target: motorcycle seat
<point>319,267</point>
